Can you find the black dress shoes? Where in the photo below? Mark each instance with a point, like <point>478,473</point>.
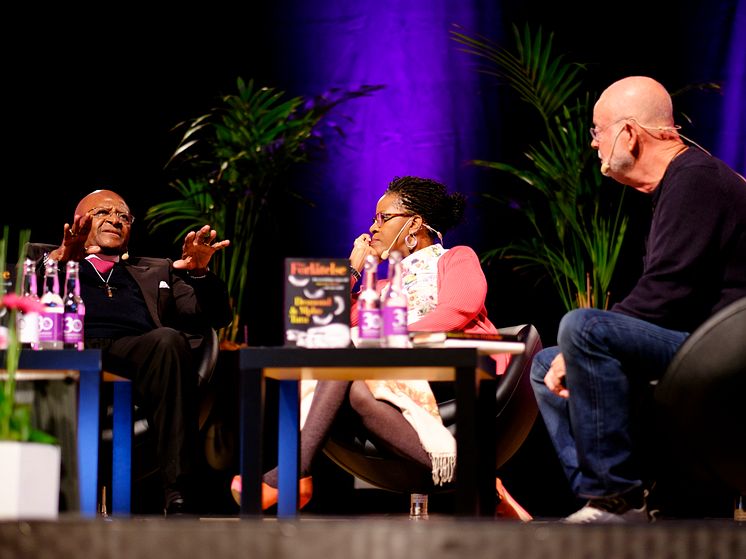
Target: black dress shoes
<point>176,507</point>
<point>176,499</point>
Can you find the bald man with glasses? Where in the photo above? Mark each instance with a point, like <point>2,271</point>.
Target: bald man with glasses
<point>146,314</point>
<point>695,265</point>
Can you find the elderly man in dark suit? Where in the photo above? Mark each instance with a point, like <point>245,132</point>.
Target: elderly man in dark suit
<point>146,315</point>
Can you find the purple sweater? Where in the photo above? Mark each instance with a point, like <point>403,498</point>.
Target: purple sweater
<point>695,262</point>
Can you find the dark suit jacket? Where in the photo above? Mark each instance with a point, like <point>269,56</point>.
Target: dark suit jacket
<point>172,297</point>
<point>178,301</point>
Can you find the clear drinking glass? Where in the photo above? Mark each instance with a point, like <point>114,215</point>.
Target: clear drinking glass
<point>418,506</point>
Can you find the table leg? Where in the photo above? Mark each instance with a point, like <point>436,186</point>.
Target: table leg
<point>288,445</point>
<point>252,423</point>
<point>121,469</point>
<point>486,449</point>
<point>466,443</point>
<point>89,390</point>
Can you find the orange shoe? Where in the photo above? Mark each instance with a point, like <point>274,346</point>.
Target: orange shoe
<point>508,507</point>
<point>269,493</point>
<point>236,489</point>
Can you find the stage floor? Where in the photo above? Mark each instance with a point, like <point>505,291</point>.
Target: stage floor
<point>366,537</point>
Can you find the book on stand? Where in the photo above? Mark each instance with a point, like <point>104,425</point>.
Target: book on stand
<point>317,302</point>
<point>504,343</point>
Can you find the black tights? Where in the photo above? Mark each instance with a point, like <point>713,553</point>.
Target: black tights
<point>384,421</point>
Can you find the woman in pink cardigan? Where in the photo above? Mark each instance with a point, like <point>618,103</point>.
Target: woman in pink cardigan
<point>446,291</point>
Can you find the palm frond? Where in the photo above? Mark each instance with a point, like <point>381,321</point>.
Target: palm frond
<point>229,167</point>
<point>577,241</point>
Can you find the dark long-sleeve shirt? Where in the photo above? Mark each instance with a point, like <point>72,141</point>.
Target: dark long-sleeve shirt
<point>695,262</point>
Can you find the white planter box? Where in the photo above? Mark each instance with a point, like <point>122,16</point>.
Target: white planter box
<point>29,480</point>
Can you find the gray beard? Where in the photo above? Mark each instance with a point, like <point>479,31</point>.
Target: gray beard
<point>622,163</point>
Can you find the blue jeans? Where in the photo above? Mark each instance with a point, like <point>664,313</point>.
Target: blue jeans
<point>610,359</point>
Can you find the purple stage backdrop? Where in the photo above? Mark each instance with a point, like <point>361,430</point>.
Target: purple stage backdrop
<point>427,121</point>
<point>436,111</point>
<point>732,141</point>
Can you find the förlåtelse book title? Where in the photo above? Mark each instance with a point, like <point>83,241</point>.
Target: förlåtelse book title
<point>317,302</point>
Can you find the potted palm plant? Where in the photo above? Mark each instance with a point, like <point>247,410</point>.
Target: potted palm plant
<point>29,458</point>
<point>576,229</point>
<point>231,165</point>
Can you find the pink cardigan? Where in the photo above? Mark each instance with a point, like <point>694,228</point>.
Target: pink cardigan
<point>462,290</point>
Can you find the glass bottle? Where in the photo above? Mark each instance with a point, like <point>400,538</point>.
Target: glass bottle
<point>394,306</point>
<point>739,508</point>
<point>74,309</point>
<point>50,325</point>
<point>369,306</point>
<point>5,287</point>
<point>27,324</point>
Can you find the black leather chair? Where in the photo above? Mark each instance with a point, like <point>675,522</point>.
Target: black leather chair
<point>144,464</point>
<point>699,408</point>
<point>516,412</point>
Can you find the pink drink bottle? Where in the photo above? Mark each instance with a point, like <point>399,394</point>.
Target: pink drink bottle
<point>394,304</point>
<point>28,323</point>
<point>369,306</point>
<point>50,324</point>
<point>74,309</point>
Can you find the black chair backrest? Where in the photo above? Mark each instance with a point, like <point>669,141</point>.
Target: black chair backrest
<point>209,351</point>
<point>36,252</point>
<point>516,404</point>
<point>700,400</point>
<point>516,413</point>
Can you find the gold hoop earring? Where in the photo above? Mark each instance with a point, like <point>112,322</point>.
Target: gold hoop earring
<point>125,255</point>
<point>410,241</point>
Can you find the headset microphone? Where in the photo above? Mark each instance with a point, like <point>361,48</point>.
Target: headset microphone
<point>606,165</point>
<point>385,253</point>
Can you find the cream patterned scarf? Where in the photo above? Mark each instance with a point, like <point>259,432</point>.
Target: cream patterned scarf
<point>415,398</point>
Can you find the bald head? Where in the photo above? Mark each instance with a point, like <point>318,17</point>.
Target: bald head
<point>99,198</point>
<point>638,97</point>
<point>634,132</point>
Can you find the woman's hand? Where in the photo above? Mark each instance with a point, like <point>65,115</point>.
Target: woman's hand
<point>555,377</point>
<point>360,250</point>
<point>199,246</point>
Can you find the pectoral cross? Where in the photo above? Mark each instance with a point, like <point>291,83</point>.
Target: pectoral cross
<point>104,265</point>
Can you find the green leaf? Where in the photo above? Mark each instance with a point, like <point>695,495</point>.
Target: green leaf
<point>578,236</point>
<point>230,165</point>
<point>15,418</point>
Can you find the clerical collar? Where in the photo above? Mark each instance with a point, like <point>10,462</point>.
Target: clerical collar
<point>107,257</point>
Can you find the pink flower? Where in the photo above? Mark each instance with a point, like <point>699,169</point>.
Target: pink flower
<point>23,304</point>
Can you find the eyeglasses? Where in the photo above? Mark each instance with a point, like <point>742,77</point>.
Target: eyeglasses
<point>380,218</point>
<point>103,213</point>
<point>596,132</point>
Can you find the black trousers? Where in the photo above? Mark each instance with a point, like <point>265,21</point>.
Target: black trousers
<point>160,365</point>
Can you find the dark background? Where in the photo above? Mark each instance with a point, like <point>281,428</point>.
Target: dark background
<point>90,98</point>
